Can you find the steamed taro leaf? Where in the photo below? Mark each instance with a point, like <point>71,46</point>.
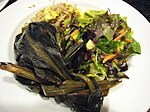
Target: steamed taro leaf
<point>37,49</point>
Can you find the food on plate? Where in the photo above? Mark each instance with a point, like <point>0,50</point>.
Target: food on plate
<point>73,56</point>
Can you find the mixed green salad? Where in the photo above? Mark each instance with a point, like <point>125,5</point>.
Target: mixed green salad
<point>106,37</point>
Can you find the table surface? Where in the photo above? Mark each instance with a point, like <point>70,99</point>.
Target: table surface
<point>143,6</point>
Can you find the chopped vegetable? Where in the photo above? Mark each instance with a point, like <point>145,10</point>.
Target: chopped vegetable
<point>74,33</point>
<point>128,40</point>
<point>120,36</point>
<point>109,57</point>
<point>90,45</point>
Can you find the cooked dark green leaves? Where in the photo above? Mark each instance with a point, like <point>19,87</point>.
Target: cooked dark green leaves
<point>38,45</point>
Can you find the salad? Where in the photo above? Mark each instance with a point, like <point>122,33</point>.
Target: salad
<point>107,40</point>
<point>73,56</point>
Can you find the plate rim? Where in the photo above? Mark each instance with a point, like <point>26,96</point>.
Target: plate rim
<point>4,2</point>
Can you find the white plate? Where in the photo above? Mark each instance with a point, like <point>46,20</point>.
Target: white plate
<point>3,3</point>
<point>132,95</point>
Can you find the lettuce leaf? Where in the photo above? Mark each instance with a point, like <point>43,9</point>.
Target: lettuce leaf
<point>107,46</point>
<point>107,31</point>
<point>136,46</point>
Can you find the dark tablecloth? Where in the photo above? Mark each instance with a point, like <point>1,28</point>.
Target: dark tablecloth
<point>143,6</point>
